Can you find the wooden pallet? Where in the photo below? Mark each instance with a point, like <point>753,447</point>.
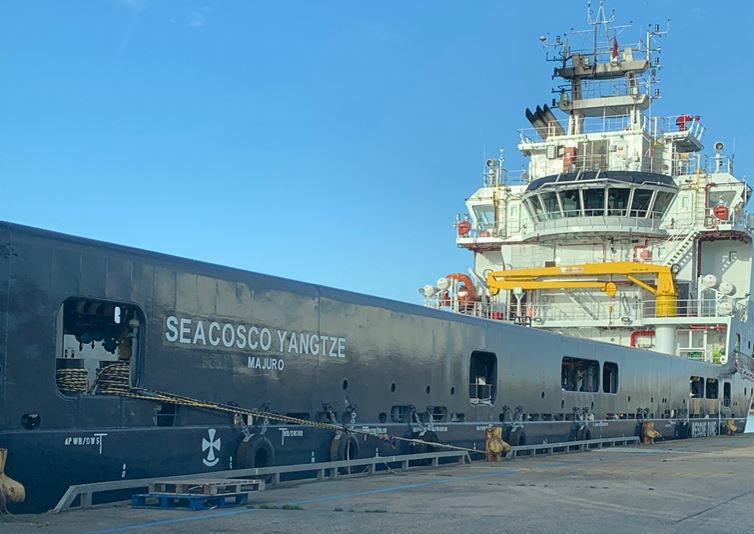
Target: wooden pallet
<point>206,486</point>
<point>190,501</point>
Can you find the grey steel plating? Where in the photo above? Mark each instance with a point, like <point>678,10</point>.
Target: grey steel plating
<point>70,307</point>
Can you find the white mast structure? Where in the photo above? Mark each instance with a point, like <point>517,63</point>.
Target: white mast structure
<point>612,202</point>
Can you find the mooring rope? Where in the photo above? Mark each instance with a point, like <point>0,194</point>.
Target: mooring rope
<point>181,400</point>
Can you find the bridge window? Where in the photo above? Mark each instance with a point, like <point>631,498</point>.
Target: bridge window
<point>610,377</point>
<point>552,206</point>
<point>571,202</point>
<point>617,200</point>
<point>662,201</point>
<point>485,216</point>
<point>640,203</point>
<point>697,387</point>
<point>577,374</point>
<point>97,347</point>
<point>712,387</point>
<point>594,202</point>
<point>535,208</point>
<point>482,377</point>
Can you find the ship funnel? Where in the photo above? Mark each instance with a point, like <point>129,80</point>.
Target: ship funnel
<point>536,120</point>
<point>545,122</point>
<point>553,124</point>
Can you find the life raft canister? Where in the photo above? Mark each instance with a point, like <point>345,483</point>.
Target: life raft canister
<point>721,212</point>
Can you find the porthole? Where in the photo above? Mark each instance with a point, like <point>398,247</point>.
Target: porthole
<point>651,399</point>
<point>383,417</point>
<point>427,389</point>
<point>452,390</point>
<point>392,387</point>
<point>30,421</point>
<point>543,395</point>
<point>592,406</point>
<point>629,398</point>
<point>562,404</point>
<point>345,384</point>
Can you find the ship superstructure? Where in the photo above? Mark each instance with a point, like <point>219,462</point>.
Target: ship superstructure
<point>620,229</point>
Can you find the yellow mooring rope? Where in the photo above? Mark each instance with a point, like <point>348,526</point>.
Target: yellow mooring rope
<point>180,400</point>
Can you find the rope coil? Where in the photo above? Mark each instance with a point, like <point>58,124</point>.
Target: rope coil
<point>71,381</point>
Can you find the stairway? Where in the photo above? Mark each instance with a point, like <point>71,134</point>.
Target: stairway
<point>741,368</point>
<point>680,249</point>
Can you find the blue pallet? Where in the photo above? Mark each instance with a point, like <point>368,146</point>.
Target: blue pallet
<point>188,501</point>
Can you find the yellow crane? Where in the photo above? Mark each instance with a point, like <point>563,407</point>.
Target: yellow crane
<point>587,275</point>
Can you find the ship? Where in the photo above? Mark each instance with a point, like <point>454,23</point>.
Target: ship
<point>598,306</point>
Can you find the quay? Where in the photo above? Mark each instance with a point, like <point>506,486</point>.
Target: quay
<point>701,485</point>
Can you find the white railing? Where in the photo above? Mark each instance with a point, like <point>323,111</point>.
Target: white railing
<point>654,126</point>
<point>573,221</point>
<point>612,312</point>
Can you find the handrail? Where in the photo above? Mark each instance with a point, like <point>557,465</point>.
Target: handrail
<point>86,491</point>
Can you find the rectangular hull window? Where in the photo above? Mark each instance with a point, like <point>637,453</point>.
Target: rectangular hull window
<point>712,388</point>
<point>726,394</point>
<point>97,347</point>
<point>482,378</point>
<point>610,377</point>
<point>578,374</point>
<point>697,387</point>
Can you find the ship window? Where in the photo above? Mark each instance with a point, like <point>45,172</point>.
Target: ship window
<point>617,200</point>
<point>594,154</point>
<point>439,413</point>
<point>718,198</point>
<point>97,346</point>
<point>640,203</point>
<point>552,207</point>
<point>610,377</point>
<point>482,377</point>
<point>577,374</point>
<point>571,203</point>
<point>165,415</point>
<point>662,201</point>
<point>697,387</point>
<point>726,394</point>
<point>594,202</point>
<point>712,387</point>
<point>400,413</point>
<point>535,208</point>
<point>485,216</point>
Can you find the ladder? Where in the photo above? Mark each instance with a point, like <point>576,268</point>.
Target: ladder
<point>680,249</point>
<point>745,372</point>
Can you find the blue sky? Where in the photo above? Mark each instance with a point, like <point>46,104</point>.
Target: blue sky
<point>325,141</point>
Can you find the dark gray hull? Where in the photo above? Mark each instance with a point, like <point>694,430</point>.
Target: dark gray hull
<point>381,359</point>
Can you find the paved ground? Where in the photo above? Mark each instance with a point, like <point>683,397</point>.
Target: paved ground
<point>704,485</point>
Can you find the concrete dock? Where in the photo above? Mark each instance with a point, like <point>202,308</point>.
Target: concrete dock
<point>702,485</point>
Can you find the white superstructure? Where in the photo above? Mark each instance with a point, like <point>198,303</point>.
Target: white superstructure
<point>611,197</point>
